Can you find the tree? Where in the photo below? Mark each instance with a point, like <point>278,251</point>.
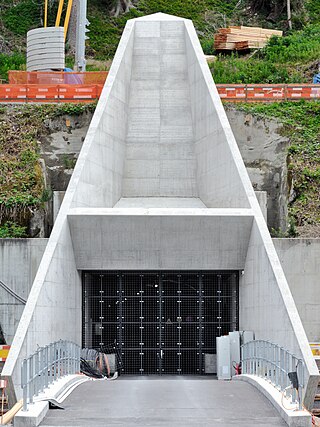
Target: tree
<point>275,8</point>
<point>118,7</point>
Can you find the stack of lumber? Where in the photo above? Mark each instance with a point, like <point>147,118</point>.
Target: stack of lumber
<point>243,38</point>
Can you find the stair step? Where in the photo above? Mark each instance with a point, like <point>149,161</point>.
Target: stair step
<point>317,397</point>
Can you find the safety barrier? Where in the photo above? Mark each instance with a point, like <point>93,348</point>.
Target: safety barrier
<point>45,366</point>
<point>276,365</point>
<point>49,93</point>
<point>56,77</point>
<point>268,92</point>
<point>90,92</point>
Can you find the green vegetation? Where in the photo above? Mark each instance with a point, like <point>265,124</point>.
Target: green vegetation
<point>22,189</point>
<point>22,16</point>
<point>10,229</point>
<point>302,127</point>
<point>15,61</point>
<point>105,31</point>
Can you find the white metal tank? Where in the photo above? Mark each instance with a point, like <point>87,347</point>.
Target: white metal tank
<point>45,49</point>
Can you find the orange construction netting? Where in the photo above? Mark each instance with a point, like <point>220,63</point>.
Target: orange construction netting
<point>57,77</point>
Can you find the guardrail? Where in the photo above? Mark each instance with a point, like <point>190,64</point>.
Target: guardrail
<point>13,93</point>
<point>274,363</point>
<point>45,366</point>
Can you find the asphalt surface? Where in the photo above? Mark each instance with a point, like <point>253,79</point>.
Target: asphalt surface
<point>165,401</point>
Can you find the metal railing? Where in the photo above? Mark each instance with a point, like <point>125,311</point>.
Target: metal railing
<point>45,366</point>
<point>274,363</point>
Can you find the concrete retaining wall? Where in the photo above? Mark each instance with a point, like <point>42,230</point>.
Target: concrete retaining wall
<point>19,262</point>
<point>300,259</point>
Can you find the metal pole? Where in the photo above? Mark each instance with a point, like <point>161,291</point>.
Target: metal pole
<point>81,37</point>
<point>24,383</point>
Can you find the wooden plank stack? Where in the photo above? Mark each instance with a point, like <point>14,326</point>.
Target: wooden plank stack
<point>243,38</point>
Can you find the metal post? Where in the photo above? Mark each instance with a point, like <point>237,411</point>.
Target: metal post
<point>82,22</point>
<point>31,383</point>
<point>24,383</point>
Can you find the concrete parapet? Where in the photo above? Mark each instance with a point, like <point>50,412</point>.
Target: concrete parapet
<point>292,416</point>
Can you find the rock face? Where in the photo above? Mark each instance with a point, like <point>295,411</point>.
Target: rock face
<point>262,147</point>
<point>61,146</point>
<point>264,152</point>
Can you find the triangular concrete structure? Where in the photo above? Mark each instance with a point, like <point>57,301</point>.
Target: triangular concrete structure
<point>160,185</point>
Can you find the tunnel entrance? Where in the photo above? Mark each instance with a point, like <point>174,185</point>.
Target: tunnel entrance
<point>162,322</point>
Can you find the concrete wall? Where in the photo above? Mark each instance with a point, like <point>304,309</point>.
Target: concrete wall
<point>53,309</point>
<point>19,262</point>
<point>160,159</point>
<point>101,165</point>
<point>154,239</point>
<point>218,178</point>
<point>300,259</point>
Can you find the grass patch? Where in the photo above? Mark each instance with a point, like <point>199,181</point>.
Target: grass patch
<point>302,127</point>
<point>15,61</point>
<point>105,31</point>
<point>12,230</point>
<point>22,16</point>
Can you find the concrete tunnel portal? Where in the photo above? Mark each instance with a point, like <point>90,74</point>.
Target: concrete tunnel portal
<point>157,223</point>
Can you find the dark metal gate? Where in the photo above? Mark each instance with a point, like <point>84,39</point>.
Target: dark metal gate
<point>162,322</point>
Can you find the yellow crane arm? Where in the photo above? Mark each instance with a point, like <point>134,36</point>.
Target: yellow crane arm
<point>60,7</point>
<point>67,18</point>
<point>45,13</point>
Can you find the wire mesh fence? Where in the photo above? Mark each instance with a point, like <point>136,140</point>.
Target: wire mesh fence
<point>160,322</point>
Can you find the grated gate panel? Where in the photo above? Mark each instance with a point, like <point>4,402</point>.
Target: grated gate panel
<point>162,322</point>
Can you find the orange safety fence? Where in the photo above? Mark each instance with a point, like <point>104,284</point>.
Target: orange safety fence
<point>57,77</point>
<point>268,92</point>
<point>50,93</point>
<point>90,92</point>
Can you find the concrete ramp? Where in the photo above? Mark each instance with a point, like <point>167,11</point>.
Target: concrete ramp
<point>174,401</point>
<point>160,185</point>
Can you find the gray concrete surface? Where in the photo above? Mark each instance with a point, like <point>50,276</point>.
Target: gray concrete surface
<point>300,259</point>
<point>178,401</point>
<point>160,239</point>
<point>19,262</point>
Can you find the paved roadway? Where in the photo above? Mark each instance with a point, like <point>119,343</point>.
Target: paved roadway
<point>165,401</point>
